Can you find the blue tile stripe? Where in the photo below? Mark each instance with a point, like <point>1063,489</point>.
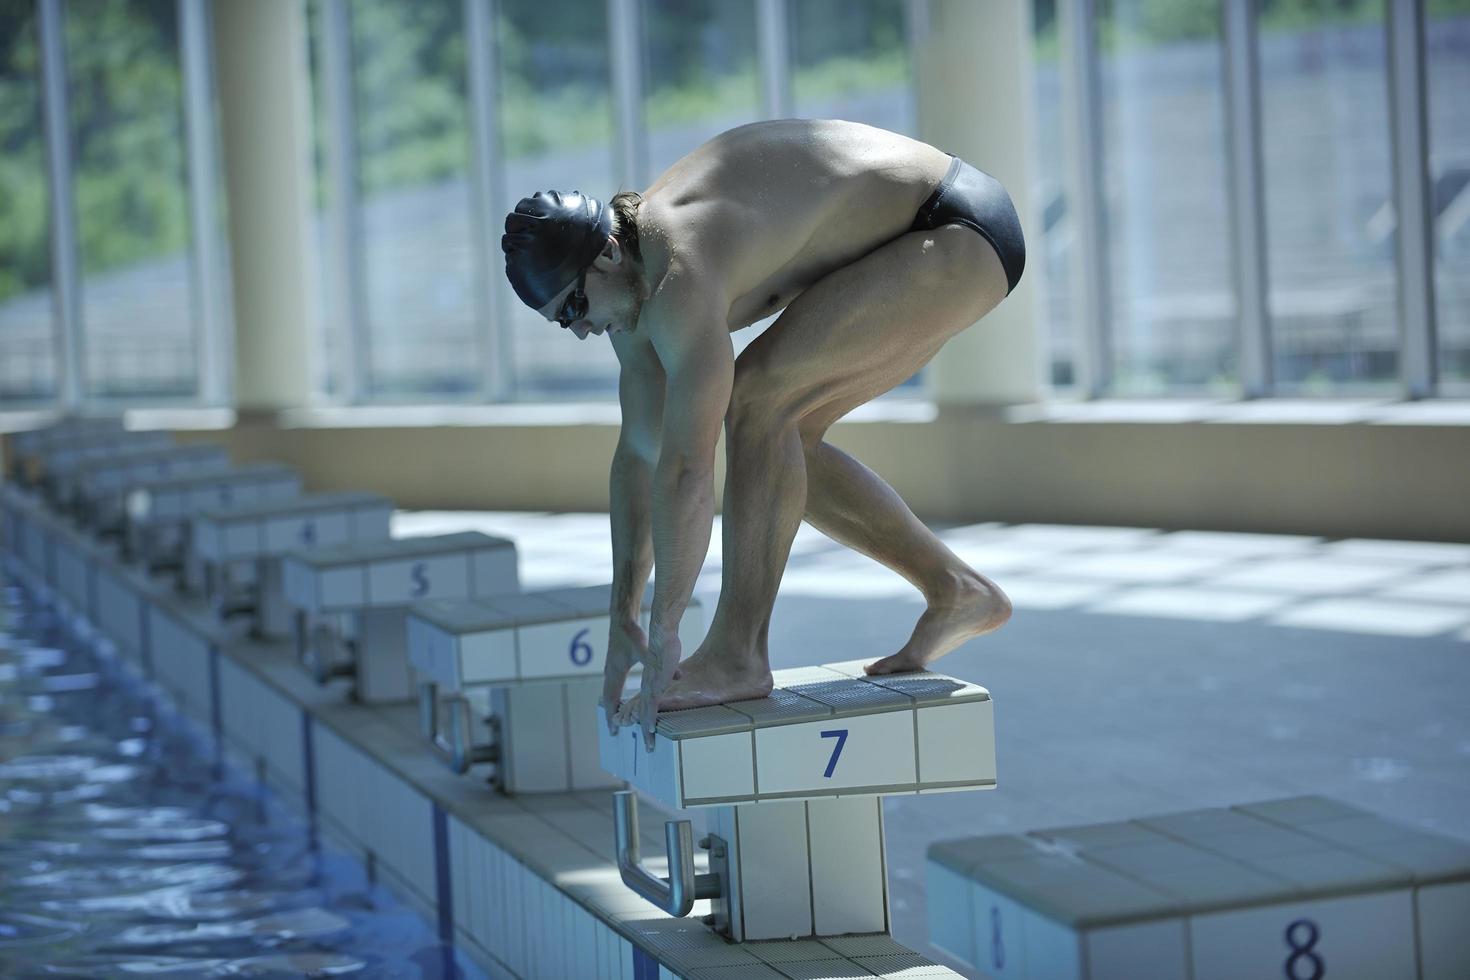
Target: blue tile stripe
<point>445,893</point>
<point>645,967</point>
<point>145,655</point>
<point>308,772</point>
<point>216,716</point>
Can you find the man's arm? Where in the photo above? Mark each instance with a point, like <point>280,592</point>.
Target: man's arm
<point>630,490</point>
<point>698,359</point>
<point>630,495</point>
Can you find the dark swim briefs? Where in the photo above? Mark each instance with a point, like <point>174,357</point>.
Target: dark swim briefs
<point>977,200</point>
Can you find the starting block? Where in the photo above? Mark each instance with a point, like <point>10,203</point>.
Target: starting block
<point>95,489</point>
<point>31,450</point>
<point>1300,887</point>
<point>351,601</point>
<point>796,833</point>
<point>159,511</point>
<point>529,669</point>
<point>256,536</point>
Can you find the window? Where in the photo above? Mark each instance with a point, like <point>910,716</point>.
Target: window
<point>850,60</point>
<point>1447,67</point>
<point>125,94</point>
<point>1332,267</point>
<point>556,134</point>
<point>703,76</point>
<point>419,270</point>
<point>1050,248</point>
<point>27,325</point>
<point>1167,258</point>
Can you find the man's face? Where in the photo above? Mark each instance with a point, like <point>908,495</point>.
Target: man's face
<point>608,301</point>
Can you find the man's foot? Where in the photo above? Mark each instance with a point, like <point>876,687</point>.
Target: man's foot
<point>708,678</point>
<point>969,610</point>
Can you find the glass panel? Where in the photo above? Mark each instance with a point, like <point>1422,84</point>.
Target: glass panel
<point>126,106</point>
<point>702,74</point>
<point>27,340</point>
<point>1051,250</point>
<point>850,60</point>
<point>1333,277</point>
<point>556,133</point>
<point>1173,309</point>
<point>413,153</point>
<point>1447,64</point>
<point>330,348</point>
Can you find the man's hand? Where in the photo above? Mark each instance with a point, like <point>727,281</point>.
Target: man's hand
<point>659,668</point>
<point>627,645</point>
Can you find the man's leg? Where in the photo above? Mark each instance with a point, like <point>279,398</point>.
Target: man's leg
<point>853,335</point>
<point>854,506</point>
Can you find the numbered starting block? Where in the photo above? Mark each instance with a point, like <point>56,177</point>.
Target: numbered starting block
<point>240,549</point>
<point>351,601</point>
<point>526,670</point>
<point>31,450</point>
<point>95,489</point>
<point>1302,887</point>
<point>796,835</point>
<point>159,512</point>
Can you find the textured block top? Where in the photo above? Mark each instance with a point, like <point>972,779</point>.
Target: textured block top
<point>249,472</point>
<point>359,552</point>
<point>310,503</point>
<point>1296,849</point>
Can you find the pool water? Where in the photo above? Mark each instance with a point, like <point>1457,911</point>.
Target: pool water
<point>127,850</point>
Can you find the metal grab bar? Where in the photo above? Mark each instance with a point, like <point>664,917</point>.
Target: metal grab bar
<point>459,751</point>
<point>677,893</point>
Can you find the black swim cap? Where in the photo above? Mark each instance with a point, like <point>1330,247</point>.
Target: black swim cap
<point>549,239</point>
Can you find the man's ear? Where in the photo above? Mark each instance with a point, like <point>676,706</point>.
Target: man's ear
<point>612,250</point>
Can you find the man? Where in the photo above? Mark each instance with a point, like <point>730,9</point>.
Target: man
<point>878,248</point>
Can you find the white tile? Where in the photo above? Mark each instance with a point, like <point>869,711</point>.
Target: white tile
<point>1140,566</point>
<point>951,920</point>
<point>1073,537</point>
<point>957,743</point>
<point>569,648</point>
<point>338,588</point>
<point>1051,592</point>
<point>1235,544</point>
<point>1416,552</point>
<point>845,838</point>
<point>1214,605</point>
<point>1308,576</point>
<point>717,766</point>
<point>990,558</point>
<point>1050,950</point>
<point>877,750</point>
<point>1363,937</point>
<point>1443,911</point>
<point>773,869</point>
<point>1377,617</point>
<point>875,582</point>
<point>430,577</point>
<point>485,657</point>
<point>533,738</point>
<point>1149,949</point>
<point>584,721</point>
<point>1448,586</point>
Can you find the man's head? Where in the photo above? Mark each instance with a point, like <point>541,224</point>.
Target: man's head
<point>568,259</point>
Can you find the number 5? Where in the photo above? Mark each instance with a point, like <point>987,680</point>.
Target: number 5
<point>841,735</point>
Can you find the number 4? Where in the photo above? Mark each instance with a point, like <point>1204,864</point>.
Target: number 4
<point>841,735</point>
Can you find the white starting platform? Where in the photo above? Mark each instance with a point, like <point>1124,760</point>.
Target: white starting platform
<point>31,450</point>
<point>240,549</point>
<point>796,837</point>
<point>160,512</point>
<point>526,670</point>
<point>1301,887</point>
<point>95,489</point>
<point>351,601</point>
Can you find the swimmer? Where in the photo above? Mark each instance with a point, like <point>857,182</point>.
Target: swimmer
<point>875,249</point>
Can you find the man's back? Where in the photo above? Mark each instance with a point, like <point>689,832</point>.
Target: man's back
<point>774,206</point>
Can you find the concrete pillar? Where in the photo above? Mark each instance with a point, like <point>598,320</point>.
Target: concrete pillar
<point>975,92</point>
<point>264,101</point>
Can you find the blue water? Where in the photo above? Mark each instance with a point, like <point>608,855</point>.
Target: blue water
<point>126,850</point>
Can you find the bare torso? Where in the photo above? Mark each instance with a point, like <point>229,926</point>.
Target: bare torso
<point>775,206</point>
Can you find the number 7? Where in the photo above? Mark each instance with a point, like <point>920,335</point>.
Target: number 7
<point>841,735</point>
